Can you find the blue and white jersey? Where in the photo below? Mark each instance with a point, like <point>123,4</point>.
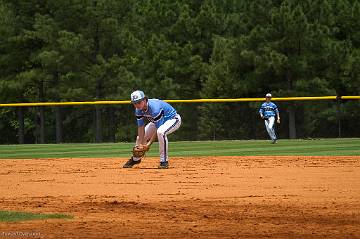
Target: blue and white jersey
<point>268,109</point>
<point>158,112</point>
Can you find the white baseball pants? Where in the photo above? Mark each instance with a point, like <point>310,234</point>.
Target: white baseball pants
<point>167,128</point>
<point>269,124</point>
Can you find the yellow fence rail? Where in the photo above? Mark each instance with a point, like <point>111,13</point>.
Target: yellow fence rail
<point>307,98</point>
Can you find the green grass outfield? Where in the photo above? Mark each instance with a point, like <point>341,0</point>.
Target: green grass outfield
<point>315,147</point>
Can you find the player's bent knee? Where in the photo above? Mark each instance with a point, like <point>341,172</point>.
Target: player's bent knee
<point>160,133</point>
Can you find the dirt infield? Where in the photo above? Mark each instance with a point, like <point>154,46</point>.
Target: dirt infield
<point>202,197</point>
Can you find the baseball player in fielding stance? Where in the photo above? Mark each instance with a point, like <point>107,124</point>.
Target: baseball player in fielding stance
<point>162,120</point>
<point>268,111</point>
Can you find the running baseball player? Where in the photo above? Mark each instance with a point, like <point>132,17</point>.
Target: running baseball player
<point>268,111</point>
<point>162,120</point>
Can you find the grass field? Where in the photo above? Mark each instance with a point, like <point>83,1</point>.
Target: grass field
<point>318,147</point>
<point>12,216</point>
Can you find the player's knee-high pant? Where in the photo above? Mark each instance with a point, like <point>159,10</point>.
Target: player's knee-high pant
<point>269,124</point>
<point>150,130</point>
<point>167,128</point>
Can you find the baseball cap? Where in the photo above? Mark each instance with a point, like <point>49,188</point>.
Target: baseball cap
<point>268,95</point>
<point>137,96</point>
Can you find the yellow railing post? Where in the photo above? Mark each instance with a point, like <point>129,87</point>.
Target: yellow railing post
<point>306,98</point>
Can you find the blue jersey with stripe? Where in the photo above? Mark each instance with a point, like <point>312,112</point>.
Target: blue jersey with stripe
<point>268,109</point>
<point>158,112</point>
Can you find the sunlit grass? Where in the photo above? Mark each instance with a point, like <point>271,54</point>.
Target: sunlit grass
<point>12,216</point>
<point>188,148</point>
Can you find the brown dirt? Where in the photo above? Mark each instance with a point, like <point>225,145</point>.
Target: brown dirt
<point>202,197</point>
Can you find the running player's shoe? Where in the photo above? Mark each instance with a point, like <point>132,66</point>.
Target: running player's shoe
<point>274,141</point>
<point>164,165</point>
<point>130,163</point>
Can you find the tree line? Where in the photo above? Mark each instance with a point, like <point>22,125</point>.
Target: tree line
<point>85,50</point>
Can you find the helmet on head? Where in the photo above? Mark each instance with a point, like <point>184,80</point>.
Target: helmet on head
<point>137,96</point>
<point>268,95</point>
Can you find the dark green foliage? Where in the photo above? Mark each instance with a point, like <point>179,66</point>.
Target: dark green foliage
<point>76,50</point>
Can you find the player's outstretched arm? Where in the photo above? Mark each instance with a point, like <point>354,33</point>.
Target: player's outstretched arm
<point>151,140</point>
<point>141,135</point>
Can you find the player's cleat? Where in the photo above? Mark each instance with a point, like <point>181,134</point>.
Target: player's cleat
<point>163,165</point>
<point>274,141</point>
<point>130,163</point>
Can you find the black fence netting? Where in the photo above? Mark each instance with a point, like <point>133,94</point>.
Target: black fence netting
<point>200,121</point>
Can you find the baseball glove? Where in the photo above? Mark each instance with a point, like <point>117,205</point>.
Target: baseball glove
<point>140,150</point>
